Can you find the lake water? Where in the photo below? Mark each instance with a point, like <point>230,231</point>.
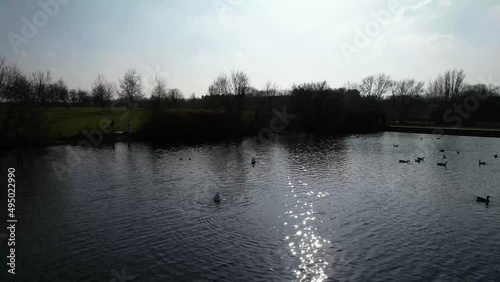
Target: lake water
<point>312,209</point>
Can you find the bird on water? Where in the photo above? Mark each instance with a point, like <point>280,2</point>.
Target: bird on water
<point>483,200</point>
<point>217,197</point>
<point>481,163</point>
<point>253,160</point>
<point>404,161</point>
<point>442,164</point>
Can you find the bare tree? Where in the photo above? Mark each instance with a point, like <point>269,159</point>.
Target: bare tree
<point>160,92</point>
<point>83,97</point>
<point>448,86</point>
<point>102,91</point>
<point>60,92</point>
<point>221,87</point>
<point>73,96</point>
<point>407,88</point>
<point>271,89</point>
<point>403,92</point>
<point>457,84</point>
<point>375,85</point>
<point>434,89</point>
<point>265,98</point>
<point>40,82</point>
<point>351,86</point>
<point>131,88</point>
<point>15,86</point>
<point>174,96</point>
<point>241,86</point>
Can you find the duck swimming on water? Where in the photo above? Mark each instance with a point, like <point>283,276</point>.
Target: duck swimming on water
<point>481,163</point>
<point>253,160</point>
<point>442,164</point>
<point>483,200</point>
<point>217,197</point>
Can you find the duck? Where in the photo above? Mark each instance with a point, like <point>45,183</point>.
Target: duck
<point>395,146</point>
<point>481,163</point>
<point>442,164</point>
<point>404,162</point>
<point>444,156</point>
<point>483,200</point>
<point>418,160</point>
<point>217,197</point>
<point>421,158</point>
<point>441,150</point>
<point>253,160</point>
<point>496,156</point>
<point>458,152</point>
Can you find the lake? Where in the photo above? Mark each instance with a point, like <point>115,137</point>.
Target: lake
<point>311,209</point>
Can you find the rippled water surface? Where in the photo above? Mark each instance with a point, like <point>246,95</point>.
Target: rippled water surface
<point>312,209</point>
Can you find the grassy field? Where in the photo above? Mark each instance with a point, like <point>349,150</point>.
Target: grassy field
<point>70,123</point>
<point>57,124</point>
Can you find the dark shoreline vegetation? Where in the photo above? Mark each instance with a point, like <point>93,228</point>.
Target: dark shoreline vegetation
<point>35,111</point>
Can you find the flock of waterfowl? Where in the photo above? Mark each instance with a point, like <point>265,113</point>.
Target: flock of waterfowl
<point>443,164</point>
<point>217,197</point>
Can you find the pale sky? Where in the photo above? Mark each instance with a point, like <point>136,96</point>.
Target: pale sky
<point>190,42</point>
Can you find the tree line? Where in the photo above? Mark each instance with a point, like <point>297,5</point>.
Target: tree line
<point>319,106</point>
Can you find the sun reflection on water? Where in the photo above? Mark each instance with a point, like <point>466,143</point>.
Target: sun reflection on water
<point>304,242</point>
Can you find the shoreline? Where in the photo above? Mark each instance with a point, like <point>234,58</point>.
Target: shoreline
<point>479,132</point>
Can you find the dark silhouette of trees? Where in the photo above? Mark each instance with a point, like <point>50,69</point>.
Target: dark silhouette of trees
<point>221,89</point>
<point>447,86</point>
<point>173,97</point>
<point>232,104</point>
<point>241,86</point>
<point>375,85</point>
<point>59,93</point>
<point>231,92</point>
<point>102,91</point>
<point>159,93</point>
<point>14,85</point>
<point>404,95</point>
<point>131,88</point>
<point>40,82</point>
